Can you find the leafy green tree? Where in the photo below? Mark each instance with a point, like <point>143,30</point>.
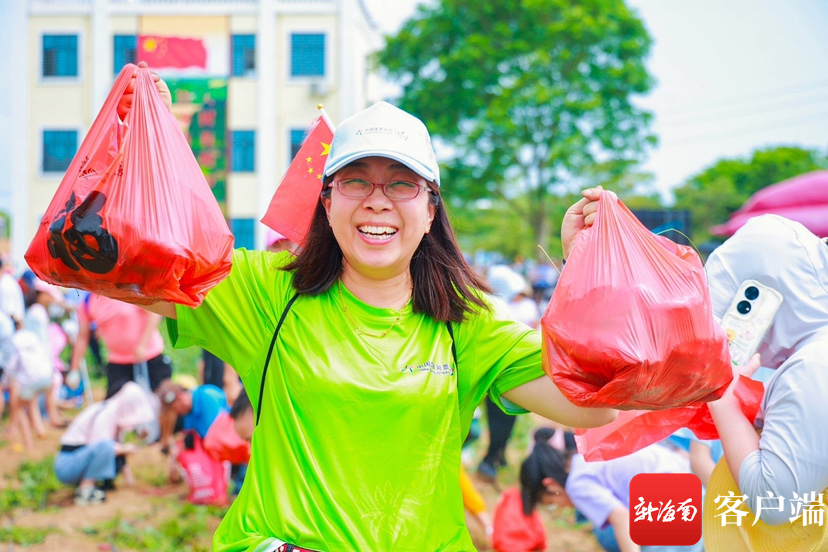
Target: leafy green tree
<point>524,96</point>
<point>496,226</point>
<point>632,186</point>
<point>715,193</point>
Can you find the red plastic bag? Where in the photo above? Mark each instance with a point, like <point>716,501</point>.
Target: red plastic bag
<point>223,443</point>
<point>636,429</point>
<point>134,218</point>
<point>630,325</point>
<point>513,530</point>
<point>206,477</point>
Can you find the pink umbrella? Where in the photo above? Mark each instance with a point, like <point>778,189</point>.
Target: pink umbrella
<point>803,198</point>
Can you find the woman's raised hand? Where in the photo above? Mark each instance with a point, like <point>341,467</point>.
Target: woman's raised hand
<point>579,216</point>
<point>126,100</point>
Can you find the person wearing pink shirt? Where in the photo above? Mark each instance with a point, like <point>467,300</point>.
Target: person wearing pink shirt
<point>131,337</point>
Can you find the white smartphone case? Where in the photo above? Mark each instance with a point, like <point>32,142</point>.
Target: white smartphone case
<point>748,319</point>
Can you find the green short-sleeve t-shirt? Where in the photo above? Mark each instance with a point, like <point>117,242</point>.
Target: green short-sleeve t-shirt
<point>358,442</point>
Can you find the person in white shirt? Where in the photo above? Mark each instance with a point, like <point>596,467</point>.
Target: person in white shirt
<point>525,309</point>
<point>38,321</point>
<point>7,330</point>
<point>90,447</point>
<point>11,296</point>
<point>29,373</point>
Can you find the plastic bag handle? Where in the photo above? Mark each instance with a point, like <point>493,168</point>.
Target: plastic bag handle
<point>145,93</point>
<point>611,211</point>
<point>118,88</point>
<point>615,222</point>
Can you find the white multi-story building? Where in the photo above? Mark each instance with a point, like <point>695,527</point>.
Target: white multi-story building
<point>280,59</point>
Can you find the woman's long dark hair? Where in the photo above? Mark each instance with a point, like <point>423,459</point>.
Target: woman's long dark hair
<point>543,462</point>
<point>444,283</point>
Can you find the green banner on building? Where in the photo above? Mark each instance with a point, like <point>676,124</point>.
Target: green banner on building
<point>200,105</point>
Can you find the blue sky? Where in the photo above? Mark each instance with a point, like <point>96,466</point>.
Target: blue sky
<point>732,76</point>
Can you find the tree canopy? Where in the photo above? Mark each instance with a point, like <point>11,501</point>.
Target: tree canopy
<point>525,97</point>
<point>716,192</point>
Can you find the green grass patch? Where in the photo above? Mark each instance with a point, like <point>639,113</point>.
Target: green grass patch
<point>30,487</point>
<point>187,528</point>
<point>25,536</point>
<point>155,475</point>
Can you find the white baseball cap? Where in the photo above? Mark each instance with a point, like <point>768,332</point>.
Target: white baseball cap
<point>383,130</point>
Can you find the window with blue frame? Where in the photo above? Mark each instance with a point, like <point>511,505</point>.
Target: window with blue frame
<point>124,50</point>
<point>60,55</point>
<point>243,151</point>
<point>59,147</point>
<point>243,53</point>
<point>307,55</point>
<point>244,232</point>
<point>296,138</point>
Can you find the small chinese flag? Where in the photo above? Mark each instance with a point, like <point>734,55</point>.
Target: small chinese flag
<point>291,210</point>
<point>167,52</point>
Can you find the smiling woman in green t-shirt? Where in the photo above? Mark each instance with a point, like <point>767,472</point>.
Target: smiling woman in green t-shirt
<point>365,356</point>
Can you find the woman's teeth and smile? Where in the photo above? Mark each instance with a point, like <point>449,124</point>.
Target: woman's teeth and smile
<point>377,232</point>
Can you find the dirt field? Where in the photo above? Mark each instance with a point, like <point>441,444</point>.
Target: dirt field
<point>151,515</point>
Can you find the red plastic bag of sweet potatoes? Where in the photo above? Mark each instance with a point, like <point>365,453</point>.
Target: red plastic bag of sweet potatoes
<point>630,325</point>
<point>134,218</point>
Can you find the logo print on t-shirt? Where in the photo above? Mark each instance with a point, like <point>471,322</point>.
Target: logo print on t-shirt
<point>430,366</point>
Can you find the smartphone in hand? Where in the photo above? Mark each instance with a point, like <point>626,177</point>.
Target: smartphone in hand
<point>748,319</point>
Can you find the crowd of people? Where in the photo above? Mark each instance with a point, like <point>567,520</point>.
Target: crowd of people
<point>45,335</point>
<point>30,344</point>
<point>357,364</point>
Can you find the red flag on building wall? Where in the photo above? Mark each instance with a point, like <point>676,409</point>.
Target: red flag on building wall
<point>291,210</point>
<point>168,52</point>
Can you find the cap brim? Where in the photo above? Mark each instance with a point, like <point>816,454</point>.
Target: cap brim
<point>753,538</point>
<point>409,162</point>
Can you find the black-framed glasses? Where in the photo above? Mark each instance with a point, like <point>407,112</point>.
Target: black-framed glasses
<point>397,190</point>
